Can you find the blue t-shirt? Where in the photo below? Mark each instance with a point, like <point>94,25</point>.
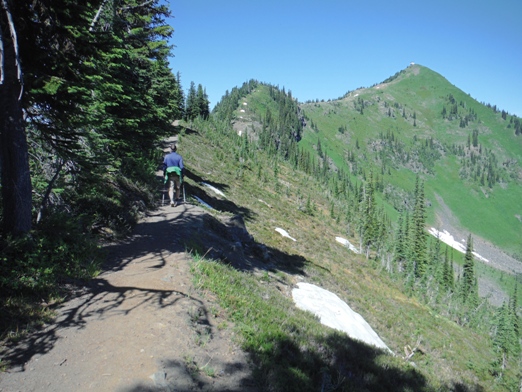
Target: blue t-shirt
<point>173,159</point>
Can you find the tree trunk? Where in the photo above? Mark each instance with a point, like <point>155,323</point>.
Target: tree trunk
<point>14,157</point>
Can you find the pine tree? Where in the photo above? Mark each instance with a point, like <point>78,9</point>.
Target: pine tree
<point>370,229</point>
<point>191,107</point>
<point>505,339</point>
<point>448,272</point>
<point>319,149</point>
<point>515,320</point>
<point>92,73</point>
<point>202,102</point>
<point>400,252</point>
<point>436,263</point>
<point>419,235</point>
<point>469,280</point>
<point>180,98</point>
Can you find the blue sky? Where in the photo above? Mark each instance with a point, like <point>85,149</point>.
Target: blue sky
<point>322,49</point>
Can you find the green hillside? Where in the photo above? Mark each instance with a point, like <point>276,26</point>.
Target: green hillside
<point>359,168</point>
<point>290,350</point>
<point>470,157</point>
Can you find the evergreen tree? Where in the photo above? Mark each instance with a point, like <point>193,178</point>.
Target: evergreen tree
<point>191,107</point>
<point>418,233</point>
<point>436,263</point>
<point>400,251</point>
<point>370,229</point>
<point>180,98</point>
<point>202,102</point>
<point>14,157</point>
<point>97,89</point>
<point>448,272</point>
<point>469,282</point>
<point>505,339</point>
<point>513,309</point>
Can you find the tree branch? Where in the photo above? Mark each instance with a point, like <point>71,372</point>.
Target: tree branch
<point>47,193</point>
<point>137,6</point>
<point>97,16</point>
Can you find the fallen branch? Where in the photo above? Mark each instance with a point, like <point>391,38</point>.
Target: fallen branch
<point>409,352</point>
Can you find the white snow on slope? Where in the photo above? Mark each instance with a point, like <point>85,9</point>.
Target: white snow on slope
<point>202,202</point>
<point>447,238</point>
<point>335,313</point>
<point>214,189</point>
<point>347,243</point>
<point>284,233</point>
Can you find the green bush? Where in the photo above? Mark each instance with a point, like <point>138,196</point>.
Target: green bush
<point>57,250</point>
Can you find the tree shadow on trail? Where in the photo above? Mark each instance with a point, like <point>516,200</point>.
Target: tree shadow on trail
<point>97,300</point>
<point>165,232</point>
<point>197,188</point>
<point>338,363</point>
<point>284,365</point>
<point>185,376</point>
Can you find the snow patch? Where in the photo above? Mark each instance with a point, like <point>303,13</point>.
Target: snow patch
<point>335,313</point>
<point>265,203</point>
<point>202,202</point>
<point>347,243</point>
<point>284,233</point>
<point>447,238</point>
<point>214,189</point>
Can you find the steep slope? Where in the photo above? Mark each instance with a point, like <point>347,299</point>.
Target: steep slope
<point>418,123</point>
<point>414,124</point>
<point>289,349</point>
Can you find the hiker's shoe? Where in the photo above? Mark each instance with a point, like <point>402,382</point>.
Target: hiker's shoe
<point>173,204</point>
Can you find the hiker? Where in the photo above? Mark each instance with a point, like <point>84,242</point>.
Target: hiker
<point>173,171</point>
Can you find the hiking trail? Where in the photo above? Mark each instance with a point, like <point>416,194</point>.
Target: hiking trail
<point>139,326</point>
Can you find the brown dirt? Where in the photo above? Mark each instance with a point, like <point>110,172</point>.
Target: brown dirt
<point>139,326</point>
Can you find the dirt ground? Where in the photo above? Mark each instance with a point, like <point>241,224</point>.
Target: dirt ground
<point>139,326</point>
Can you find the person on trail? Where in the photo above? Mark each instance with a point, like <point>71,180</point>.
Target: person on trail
<point>173,172</point>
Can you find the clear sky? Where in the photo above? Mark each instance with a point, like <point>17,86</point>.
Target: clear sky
<point>322,49</point>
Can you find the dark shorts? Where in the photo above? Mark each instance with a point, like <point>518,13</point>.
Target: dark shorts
<point>174,181</point>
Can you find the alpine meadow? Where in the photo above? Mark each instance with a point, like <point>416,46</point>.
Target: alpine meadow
<point>394,169</point>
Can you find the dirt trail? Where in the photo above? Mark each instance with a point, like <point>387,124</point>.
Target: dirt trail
<point>139,326</point>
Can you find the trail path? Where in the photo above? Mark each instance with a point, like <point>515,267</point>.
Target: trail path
<point>139,326</point>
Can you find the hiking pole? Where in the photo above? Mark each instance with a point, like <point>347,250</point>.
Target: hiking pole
<point>163,196</point>
<point>183,184</point>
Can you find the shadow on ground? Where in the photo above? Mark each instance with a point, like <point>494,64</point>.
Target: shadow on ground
<point>336,363</point>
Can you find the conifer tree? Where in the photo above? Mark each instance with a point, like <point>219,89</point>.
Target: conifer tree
<point>94,74</point>
<point>191,106</point>
<point>469,287</point>
<point>515,320</point>
<point>400,253</point>
<point>202,102</point>
<point>180,95</point>
<point>436,263</point>
<point>505,339</point>
<point>418,233</point>
<point>369,231</point>
<point>448,272</point>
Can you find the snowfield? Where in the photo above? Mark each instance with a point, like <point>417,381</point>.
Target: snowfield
<point>447,238</point>
<point>335,313</point>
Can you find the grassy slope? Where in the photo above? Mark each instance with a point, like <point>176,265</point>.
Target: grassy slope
<point>289,347</point>
<point>489,214</point>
